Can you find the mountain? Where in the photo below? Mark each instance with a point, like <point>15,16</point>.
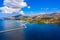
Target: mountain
<point>21,17</point>
<point>17,17</point>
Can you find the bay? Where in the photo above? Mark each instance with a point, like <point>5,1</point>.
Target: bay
<point>33,31</point>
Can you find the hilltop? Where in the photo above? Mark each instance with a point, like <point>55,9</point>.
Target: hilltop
<point>52,18</point>
<point>40,18</point>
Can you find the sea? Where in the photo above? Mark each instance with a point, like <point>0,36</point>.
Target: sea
<point>16,30</point>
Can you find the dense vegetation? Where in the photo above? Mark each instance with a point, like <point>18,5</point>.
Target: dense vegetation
<point>47,20</point>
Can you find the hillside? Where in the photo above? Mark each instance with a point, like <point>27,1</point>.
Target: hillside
<point>41,18</point>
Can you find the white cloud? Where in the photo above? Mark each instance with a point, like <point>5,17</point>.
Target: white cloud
<point>11,6</point>
<point>29,7</point>
<point>5,9</point>
<point>21,12</point>
<point>15,3</point>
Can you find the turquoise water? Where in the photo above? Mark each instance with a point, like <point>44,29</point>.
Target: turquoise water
<point>32,32</point>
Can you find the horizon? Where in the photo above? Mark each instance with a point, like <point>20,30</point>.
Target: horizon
<point>28,7</point>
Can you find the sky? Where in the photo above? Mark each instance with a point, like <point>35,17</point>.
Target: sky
<point>28,6</point>
<point>42,5</point>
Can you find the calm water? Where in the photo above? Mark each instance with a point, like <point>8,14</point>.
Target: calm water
<point>12,35</point>
<point>32,32</point>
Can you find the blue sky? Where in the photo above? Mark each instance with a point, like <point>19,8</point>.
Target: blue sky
<point>36,6</point>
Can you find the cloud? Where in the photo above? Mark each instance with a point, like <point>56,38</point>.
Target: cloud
<point>21,12</point>
<point>13,6</point>
<point>29,7</point>
<point>15,3</point>
<point>6,9</point>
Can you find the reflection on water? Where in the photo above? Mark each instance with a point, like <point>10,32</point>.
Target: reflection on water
<point>9,24</point>
<point>12,35</point>
<point>32,32</point>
